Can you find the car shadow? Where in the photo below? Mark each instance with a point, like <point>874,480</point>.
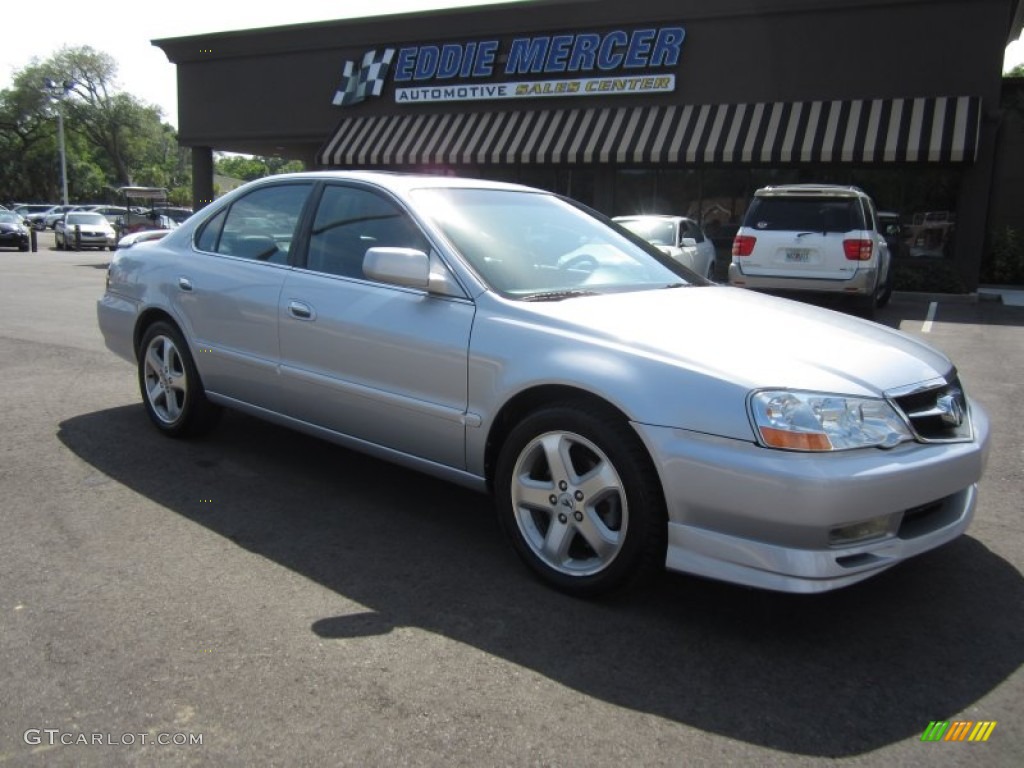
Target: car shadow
<point>829,675</point>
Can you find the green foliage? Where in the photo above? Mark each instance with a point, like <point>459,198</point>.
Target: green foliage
<point>1017,71</point>
<point>249,168</point>
<point>1005,263</point>
<point>111,137</point>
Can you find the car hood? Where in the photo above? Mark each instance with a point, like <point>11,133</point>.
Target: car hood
<point>750,340</point>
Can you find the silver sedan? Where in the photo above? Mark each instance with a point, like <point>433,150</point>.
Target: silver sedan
<point>625,414</point>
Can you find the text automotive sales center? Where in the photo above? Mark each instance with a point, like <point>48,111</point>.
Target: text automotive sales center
<point>662,106</point>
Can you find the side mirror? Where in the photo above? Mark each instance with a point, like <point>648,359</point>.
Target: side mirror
<point>398,266</point>
<point>688,242</point>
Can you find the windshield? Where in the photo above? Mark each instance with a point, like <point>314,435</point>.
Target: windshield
<point>86,218</point>
<point>657,231</point>
<point>531,244</point>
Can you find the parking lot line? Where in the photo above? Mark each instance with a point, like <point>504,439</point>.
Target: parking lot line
<point>927,327</point>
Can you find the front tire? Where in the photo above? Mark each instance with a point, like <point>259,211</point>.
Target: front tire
<point>171,388</point>
<point>580,501</point>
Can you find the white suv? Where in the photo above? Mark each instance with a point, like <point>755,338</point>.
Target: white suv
<point>814,238</point>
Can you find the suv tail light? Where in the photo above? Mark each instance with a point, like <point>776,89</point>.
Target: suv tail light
<point>857,250</point>
<point>743,245</point>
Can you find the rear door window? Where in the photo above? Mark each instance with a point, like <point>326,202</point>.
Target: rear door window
<point>259,226</point>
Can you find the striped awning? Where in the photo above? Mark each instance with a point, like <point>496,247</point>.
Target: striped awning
<point>919,130</point>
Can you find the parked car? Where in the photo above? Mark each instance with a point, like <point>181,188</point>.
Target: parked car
<point>113,213</point>
<point>28,209</point>
<point>810,238</point>
<point>84,229</point>
<point>37,218</point>
<point>624,413</point>
<point>679,237</point>
<point>892,230</point>
<point>13,231</point>
<point>141,236</point>
<point>175,214</point>
<point>56,213</point>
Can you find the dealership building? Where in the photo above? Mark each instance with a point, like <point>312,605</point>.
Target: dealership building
<point>662,106</point>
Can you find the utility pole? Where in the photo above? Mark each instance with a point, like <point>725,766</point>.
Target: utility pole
<point>57,92</point>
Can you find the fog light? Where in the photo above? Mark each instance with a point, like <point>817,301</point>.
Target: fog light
<point>855,533</point>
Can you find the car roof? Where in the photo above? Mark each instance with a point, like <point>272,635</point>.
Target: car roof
<point>401,182</point>
<point>652,216</point>
<point>810,190</point>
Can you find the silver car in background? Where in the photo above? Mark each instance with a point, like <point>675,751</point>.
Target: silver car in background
<point>625,414</point>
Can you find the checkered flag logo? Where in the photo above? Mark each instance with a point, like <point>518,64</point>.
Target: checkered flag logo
<point>367,81</point>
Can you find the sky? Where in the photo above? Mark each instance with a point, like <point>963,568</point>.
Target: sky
<point>124,30</point>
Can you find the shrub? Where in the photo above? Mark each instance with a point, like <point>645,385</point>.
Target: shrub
<point>927,276</point>
<point>1005,264</point>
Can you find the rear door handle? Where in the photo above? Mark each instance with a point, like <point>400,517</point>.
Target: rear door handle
<point>185,284</point>
<point>300,310</point>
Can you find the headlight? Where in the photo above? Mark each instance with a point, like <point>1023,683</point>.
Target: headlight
<point>815,421</point>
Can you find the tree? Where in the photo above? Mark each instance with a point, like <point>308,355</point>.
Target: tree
<point>247,167</point>
<point>112,138</point>
<point>1017,71</point>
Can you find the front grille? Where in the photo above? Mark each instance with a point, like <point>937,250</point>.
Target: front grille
<point>937,411</point>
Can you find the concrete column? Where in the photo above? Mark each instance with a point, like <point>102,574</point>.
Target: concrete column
<point>202,177</point>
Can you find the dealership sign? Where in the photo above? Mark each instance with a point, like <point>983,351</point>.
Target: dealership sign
<point>581,64</point>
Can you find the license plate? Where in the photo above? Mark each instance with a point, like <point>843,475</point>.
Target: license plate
<point>799,255</point>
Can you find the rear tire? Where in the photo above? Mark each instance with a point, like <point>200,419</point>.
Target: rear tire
<point>580,501</point>
<point>170,385</point>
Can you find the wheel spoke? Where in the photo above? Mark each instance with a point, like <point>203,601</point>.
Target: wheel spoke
<point>600,482</point>
<point>557,541</point>
<point>532,493</point>
<point>168,353</point>
<point>173,409</point>
<point>556,450</point>
<point>153,390</point>
<point>604,541</point>
<point>153,361</point>
<point>176,380</point>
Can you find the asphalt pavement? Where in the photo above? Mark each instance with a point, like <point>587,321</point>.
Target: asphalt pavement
<point>262,598</point>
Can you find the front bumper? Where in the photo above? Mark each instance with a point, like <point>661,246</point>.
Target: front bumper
<point>767,519</point>
<point>13,239</point>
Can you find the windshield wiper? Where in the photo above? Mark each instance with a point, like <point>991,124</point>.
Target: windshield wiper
<point>556,295</point>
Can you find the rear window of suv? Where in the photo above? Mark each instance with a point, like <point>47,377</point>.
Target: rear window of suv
<point>805,214</point>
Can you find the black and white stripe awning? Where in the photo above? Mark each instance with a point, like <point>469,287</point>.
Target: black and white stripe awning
<point>921,130</point>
